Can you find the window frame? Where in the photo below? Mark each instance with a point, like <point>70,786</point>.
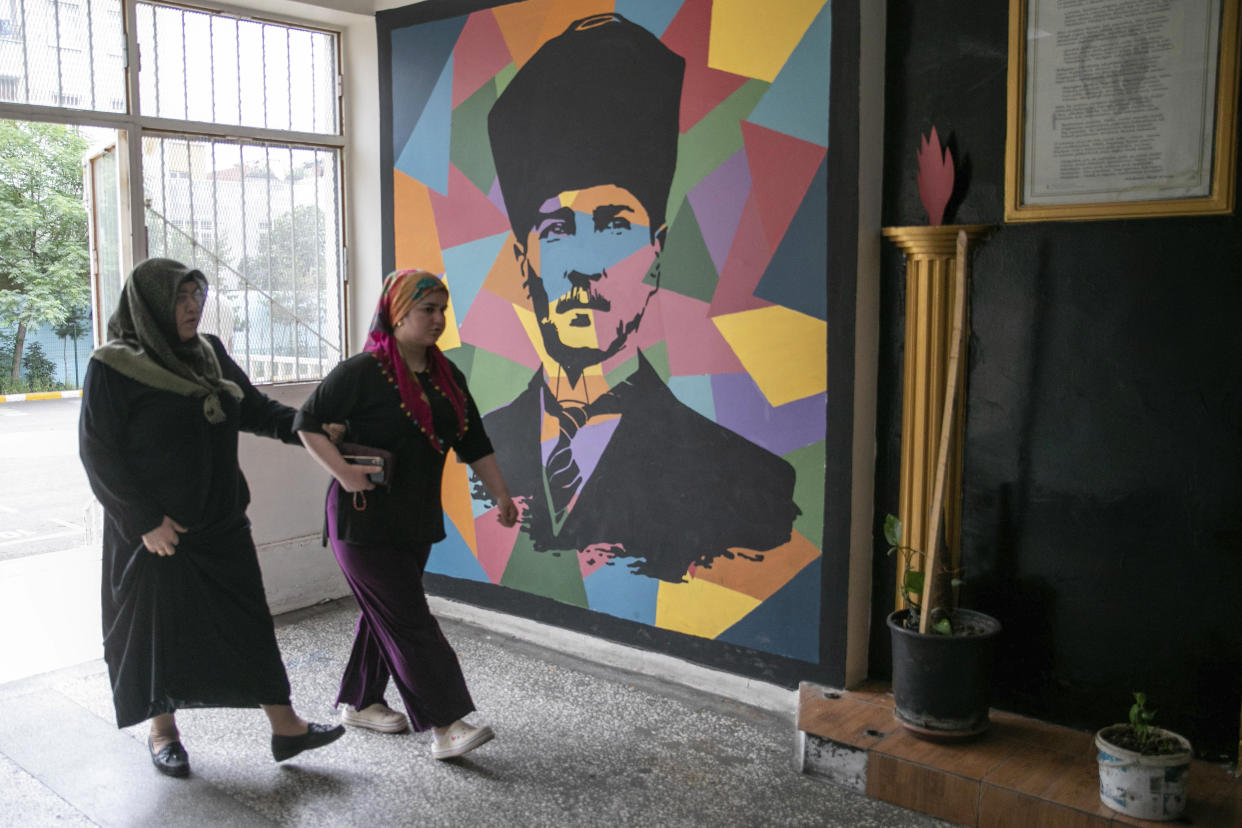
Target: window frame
<point>131,126</point>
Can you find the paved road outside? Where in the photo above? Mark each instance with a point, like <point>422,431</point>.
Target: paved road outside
<point>44,497</point>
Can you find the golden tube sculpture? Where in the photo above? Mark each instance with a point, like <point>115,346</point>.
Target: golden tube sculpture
<point>930,281</point>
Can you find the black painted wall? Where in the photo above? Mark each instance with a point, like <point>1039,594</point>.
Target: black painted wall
<point>1103,482</point>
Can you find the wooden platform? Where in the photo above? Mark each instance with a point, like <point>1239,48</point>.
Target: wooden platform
<point>1022,773</point>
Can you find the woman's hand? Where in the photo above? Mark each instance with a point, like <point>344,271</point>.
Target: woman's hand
<point>507,512</point>
<point>163,539</point>
<point>355,478</point>
<point>488,470</point>
<point>352,478</point>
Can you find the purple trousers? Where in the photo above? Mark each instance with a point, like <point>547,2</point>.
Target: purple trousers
<point>397,637</point>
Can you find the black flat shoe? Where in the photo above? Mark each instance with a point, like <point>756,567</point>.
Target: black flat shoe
<point>316,735</point>
<point>171,759</point>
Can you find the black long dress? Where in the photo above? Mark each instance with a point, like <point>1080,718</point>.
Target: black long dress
<point>192,629</point>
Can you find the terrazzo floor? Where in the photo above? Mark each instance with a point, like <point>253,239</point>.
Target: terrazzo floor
<point>577,744</point>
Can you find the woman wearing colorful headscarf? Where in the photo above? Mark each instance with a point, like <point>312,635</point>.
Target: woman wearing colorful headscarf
<point>403,395</point>
<point>185,619</point>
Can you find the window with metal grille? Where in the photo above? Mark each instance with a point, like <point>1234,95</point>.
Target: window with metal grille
<point>260,216</point>
<point>200,66</point>
<point>232,126</point>
<point>67,53</point>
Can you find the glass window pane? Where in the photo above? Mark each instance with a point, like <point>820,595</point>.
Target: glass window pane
<point>263,224</point>
<point>67,53</point>
<point>218,69</point>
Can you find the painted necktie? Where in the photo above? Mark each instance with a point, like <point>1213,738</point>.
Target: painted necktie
<point>563,476</point>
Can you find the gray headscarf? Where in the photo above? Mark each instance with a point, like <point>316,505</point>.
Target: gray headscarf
<point>143,343</point>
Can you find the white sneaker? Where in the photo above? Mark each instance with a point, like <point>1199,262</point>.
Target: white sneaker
<point>377,717</point>
<point>460,738</point>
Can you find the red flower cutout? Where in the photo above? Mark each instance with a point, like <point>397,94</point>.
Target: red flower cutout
<point>935,177</point>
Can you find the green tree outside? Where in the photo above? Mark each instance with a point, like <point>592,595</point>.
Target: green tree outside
<point>44,270</point>
<point>75,325</point>
<point>290,265</point>
<point>40,371</point>
<point>292,247</point>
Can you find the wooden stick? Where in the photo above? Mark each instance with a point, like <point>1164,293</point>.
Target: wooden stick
<point>933,585</point>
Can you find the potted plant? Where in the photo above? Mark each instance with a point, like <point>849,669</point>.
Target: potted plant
<point>942,673</point>
<point>1144,770</point>
<point>942,655</point>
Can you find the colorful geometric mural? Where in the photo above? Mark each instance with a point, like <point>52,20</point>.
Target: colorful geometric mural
<point>629,202</point>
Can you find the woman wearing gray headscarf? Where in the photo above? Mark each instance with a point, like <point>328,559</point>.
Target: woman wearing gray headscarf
<point>185,618</point>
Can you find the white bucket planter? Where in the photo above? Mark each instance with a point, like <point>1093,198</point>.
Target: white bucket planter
<point>1147,787</point>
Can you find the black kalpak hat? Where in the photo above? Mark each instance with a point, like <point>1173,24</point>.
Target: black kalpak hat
<point>597,104</point>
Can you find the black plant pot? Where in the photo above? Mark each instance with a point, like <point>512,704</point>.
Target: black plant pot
<point>942,683</point>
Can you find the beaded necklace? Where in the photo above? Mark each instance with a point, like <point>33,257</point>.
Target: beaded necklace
<point>419,377</point>
<point>405,287</point>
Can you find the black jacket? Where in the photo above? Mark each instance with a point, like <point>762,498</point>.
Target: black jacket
<point>672,487</point>
<point>357,393</point>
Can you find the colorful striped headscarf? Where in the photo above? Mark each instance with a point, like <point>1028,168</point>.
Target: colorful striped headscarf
<point>402,289</point>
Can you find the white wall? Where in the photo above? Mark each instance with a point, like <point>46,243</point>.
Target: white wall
<point>286,513</point>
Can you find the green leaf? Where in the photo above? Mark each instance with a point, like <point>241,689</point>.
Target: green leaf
<point>892,530</point>
<point>943,627</point>
<point>914,583</point>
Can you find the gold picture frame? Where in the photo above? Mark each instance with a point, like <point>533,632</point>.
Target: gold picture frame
<point>1098,171</point>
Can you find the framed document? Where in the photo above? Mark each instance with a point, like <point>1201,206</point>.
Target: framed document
<point>1121,108</point>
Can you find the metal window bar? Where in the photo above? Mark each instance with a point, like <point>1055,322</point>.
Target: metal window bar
<point>314,98</point>
<point>60,82</point>
<point>293,265</point>
<point>339,247</point>
<point>215,210</point>
<point>25,55</point>
<point>237,52</point>
<point>155,58</point>
<point>289,75</point>
<point>267,190</point>
<point>90,51</point>
<point>189,200</point>
<point>211,54</point>
<point>241,166</point>
<point>319,264</point>
<point>185,77</point>
<point>263,52</point>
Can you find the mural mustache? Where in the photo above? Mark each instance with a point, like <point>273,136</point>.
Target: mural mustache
<point>582,297</point>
